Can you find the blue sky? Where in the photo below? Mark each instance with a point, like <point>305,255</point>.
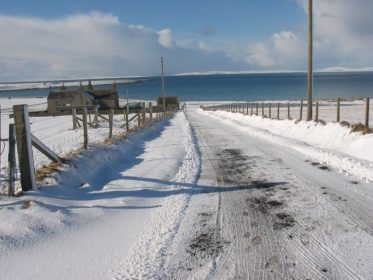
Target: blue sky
<point>227,17</point>
<point>81,38</point>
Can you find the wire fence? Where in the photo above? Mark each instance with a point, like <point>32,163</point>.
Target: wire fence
<point>350,112</point>
<point>65,139</point>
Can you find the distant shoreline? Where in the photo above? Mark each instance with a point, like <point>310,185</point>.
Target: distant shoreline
<point>14,86</point>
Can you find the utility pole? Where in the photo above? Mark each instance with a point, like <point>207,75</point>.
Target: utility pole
<point>127,96</point>
<point>163,92</point>
<point>310,61</point>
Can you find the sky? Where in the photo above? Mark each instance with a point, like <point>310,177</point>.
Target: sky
<point>41,40</point>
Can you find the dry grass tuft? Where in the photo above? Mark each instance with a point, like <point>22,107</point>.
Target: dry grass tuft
<point>28,204</point>
<point>321,122</point>
<point>46,170</point>
<point>361,128</point>
<point>345,124</point>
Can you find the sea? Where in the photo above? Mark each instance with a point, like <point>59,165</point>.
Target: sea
<point>235,87</point>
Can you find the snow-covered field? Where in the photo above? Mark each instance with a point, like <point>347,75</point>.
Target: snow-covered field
<point>199,195</point>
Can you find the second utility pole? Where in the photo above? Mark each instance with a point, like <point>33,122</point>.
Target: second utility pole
<point>163,92</point>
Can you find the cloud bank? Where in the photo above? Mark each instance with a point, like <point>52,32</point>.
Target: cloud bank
<point>98,44</point>
<point>94,45</point>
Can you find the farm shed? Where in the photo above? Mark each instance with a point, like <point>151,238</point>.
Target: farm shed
<point>172,102</point>
<point>57,100</point>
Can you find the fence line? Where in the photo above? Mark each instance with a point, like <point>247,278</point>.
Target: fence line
<point>57,136</point>
<point>346,112</point>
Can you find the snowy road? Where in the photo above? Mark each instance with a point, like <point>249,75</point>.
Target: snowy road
<point>193,198</point>
<point>292,217</point>
<point>260,211</point>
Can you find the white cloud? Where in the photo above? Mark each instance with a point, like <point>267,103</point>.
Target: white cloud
<point>165,38</point>
<point>283,49</point>
<point>343,37</point>
<point>259,54</point>
<point>94,44</point>
<point>343,32</point>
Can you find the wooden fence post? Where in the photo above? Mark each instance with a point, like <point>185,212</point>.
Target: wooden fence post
<point>289,117</point>
<point>150,112</point>
<point>251,111</point>
<point>111,120</point>
<point>143,118</point>
<point>317,112</point>
<point>367,112</point>
<point>139,118</point>
<point>95,119</point>
<point>278,110</point>
<point>257,109</point>
<point>247,108</point>
<point>89,118</point>
<point>0,132</point>
<point>127,116</point>
<point>12,160</point>
<point>301,110</point>
<point>270,110</point>
<point>338,109</point>
<point>73,110</point>
<point>262,109</point>
<point>85,129</point>
<point>24,147</point>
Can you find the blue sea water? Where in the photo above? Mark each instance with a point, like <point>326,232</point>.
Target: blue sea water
<point>240,87</point>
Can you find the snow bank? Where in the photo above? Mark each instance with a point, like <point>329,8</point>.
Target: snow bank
<point>330,143</point>
<point>79,184</point>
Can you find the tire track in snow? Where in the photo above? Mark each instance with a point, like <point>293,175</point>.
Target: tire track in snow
<point>147,258</point>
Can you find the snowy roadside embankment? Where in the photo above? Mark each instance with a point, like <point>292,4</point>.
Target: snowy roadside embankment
<point>330,144</point>
<point>77,185</point>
